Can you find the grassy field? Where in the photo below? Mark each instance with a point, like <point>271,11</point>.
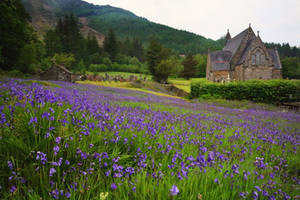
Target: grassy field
<point>183,83</point>
<point>74,141</point>
<point>126,85</point>
<point>178,82</point>
<point>123,74</point>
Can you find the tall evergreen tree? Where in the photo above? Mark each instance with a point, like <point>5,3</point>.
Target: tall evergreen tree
<point>189,64</point>
<point>154,56</point>
<point>157,57</point>
<point>52,42</point>
<point>15,32</point>
<point>137,50</point>
<point>110,45</point>
<point>92,45</point>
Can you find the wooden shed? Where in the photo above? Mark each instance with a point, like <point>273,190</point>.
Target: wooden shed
<point>57,73</point>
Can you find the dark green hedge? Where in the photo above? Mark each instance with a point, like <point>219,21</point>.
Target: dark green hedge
<point>267,91</point>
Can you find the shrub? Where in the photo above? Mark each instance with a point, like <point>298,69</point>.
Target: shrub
<point>267,91</point>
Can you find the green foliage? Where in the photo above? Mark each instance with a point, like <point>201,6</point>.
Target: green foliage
<point>163,70</point>
<point>290,68</point>
<point>177,40</point>
<point>64,59</point>
<point>110,45</point>
<point>106,61</point>
<point>1,57</point>
<point>127,25</point>
<point>46,63</point>
<point>270,91</point>
<point>80,66</point>
<point>27,59</point>
<point>52,43</point>
<point>15,32</point>
<point>156,53</point>
<point>189,64</point>
<point>177,66</point>
<point>132,48</point>
<point>31,55</point>
<point>201,67</point>
<point>66,39</point>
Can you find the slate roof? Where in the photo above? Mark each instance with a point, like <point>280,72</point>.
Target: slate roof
<point>275,58</point>
<point>220,60</point>
<point>246,51</point>
<point>233,44</point>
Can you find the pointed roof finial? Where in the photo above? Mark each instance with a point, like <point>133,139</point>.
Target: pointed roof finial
<point>257,33</point>
<point>249,25</point>
<point>228,36</point>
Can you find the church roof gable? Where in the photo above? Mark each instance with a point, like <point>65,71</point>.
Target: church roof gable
<point>233,44</point>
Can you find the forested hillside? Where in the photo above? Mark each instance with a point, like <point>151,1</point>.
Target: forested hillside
<point>124,23</point>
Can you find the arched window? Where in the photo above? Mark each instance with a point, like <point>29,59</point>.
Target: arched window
<point>257,58</point>
<point>253,59</point>
<point>262,59</point>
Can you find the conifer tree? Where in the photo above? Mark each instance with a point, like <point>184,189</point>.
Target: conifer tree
<point>15,32</point>
<point>52,43</point>
<point>159,66</point>
<point>154,56</point>
<point>189,64</point>
<point>110,45</point>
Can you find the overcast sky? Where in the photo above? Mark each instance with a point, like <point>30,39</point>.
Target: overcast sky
<point>277,20</point>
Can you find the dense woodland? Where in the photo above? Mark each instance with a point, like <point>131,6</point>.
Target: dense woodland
<point>21,52</point>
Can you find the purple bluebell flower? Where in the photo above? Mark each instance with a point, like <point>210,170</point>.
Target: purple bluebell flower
<point>113,186</point>
<point>68,195</point>
<point>134,189</point>
<point>243,194</point>
<point>56,150</point>
<point>10,165</point>
<point>258,188</point>
<point>58,140</point>
<point>13,189</point>
<point>52,171</point>
<point>33,120</point>
<point>174,190</point>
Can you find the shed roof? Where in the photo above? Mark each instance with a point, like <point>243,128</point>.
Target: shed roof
<point>62,68</point>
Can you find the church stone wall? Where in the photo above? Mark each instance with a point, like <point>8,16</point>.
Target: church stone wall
<point>276,74</point>
<point>238,73</point>
<point>208,69</point>
<point>258,72</point>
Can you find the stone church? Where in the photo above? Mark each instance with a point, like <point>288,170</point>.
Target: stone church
<point>244,57</point>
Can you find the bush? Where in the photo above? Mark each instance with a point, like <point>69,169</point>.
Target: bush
<point>267,91</point>
<point>98,68</point>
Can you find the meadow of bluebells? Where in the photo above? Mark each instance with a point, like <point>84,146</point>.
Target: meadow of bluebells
<point>77,141</point>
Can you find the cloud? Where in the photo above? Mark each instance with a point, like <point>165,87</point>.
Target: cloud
<point>277,20</point>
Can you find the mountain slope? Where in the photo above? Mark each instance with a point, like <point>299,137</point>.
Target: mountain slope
<point>125,24</point>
